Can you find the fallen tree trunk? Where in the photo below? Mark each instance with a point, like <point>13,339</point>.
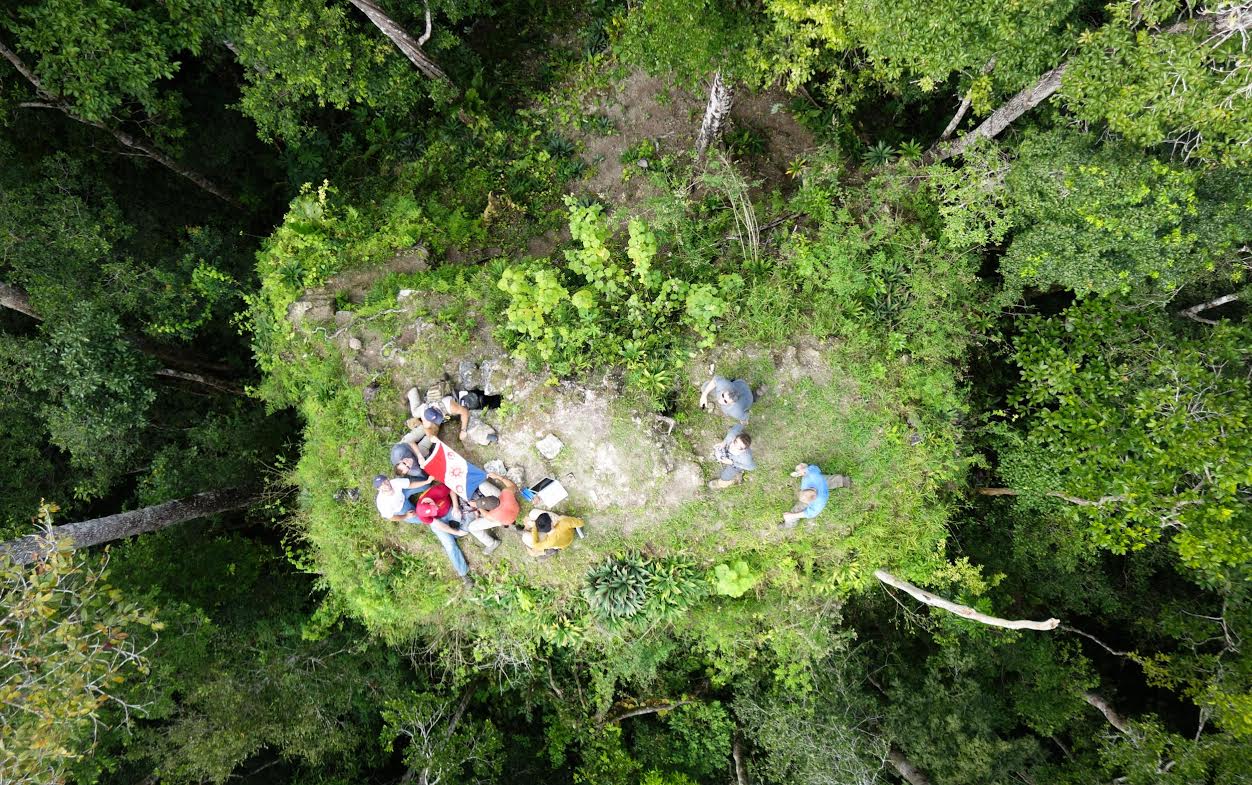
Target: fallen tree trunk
<point>721,98</point>
<point>964,611</point>
<point>1001,118</point>
<point>98,531</point>
<point>905,768</point>
<point>410,46</point>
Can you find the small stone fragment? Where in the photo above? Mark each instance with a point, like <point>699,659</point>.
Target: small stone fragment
<point>354,344</point>
<point>494,467</point>
<point>404,294</point>
<point>549,446</point>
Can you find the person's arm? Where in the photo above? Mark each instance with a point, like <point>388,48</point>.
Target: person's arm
<point>801,468</point>
<point>455,502</point>
<point>704,393</point>
<point>505,483</point>
<point>440,526</point>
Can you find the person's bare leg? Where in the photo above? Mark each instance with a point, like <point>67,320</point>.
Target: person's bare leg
<point>460,411</point>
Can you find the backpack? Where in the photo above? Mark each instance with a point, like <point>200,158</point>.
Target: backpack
<point>471,399</point>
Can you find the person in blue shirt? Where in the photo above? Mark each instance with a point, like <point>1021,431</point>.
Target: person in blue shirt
<point>814,493</point>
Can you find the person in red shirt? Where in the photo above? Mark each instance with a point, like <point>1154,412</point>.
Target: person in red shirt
<point>433,508</point>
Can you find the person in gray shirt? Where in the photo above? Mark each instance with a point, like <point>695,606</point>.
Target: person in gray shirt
<point>735,398</point>
<point>735,452</point>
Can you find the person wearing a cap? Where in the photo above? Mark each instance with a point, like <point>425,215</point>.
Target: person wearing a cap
<point>429,416</point>
<point>431,508</point>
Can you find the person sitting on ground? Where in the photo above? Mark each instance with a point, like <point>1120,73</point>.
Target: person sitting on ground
<point>735,452</point>
<point>440,509</point>
<point>394,501</point>
<point>545,533</point>
<point>734,398</point>
<point>496,511</point>
<point>430,415</point>
<point>406,462</point>
<point>814,493</point>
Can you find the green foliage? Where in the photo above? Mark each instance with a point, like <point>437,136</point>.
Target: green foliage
<point>105,57</point>
<point>734,580</point>
<point>1139,422</point>
<point>1159,74</point>
<point>71,640</point>
<point>693,739</point>
<point>633,585</point>
<point>298,55</point>
<point>850,49</point>
<point>441,742</point>
<point>687,40</point>
<point>94,392</point>
<point>596,307</point>
<point>1106,220</point>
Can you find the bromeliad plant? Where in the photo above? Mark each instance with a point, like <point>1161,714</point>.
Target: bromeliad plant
<point>635,586</point>
<point>637,311</point>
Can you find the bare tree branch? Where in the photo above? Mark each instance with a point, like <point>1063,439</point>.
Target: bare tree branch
<point>1194,311</point>
<point>1001,118</point>
<point>964,107</point>
<point>216,384</point>
<point>14,298</point>
<point>411,47</point>
<point>646,710</point>
<point>50,101</point>
<point>964,611</point>
<point>1115,719</point>
<point>721,97</point>
<point>905,768</point>
<point>1103,500</point>
<point>97,531</point>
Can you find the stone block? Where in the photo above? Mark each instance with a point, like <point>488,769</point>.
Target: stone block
<point>549,446</point>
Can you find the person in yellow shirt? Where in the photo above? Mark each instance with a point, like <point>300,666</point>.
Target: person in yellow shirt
<point>544,533</point>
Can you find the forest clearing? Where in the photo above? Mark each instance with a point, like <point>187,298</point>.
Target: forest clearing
<point>653,392</point>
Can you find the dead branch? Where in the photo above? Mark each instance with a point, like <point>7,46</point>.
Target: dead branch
<point>1194,311</point>
<point>964,107</point>
<point>905,768</point>
<point>1100,704</point>
<point>964,611</point>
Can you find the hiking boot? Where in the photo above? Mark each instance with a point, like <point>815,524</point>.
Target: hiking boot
<point>719,484</point>
<point>467,581</point>
<point>490,549</point>
<point>841,481</point>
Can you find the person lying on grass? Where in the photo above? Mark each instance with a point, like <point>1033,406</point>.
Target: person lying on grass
<point>735,452</point>
<point>394,506</point>
<point>734,398</point>
<point>814,493</point>
<point>544,533</point>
